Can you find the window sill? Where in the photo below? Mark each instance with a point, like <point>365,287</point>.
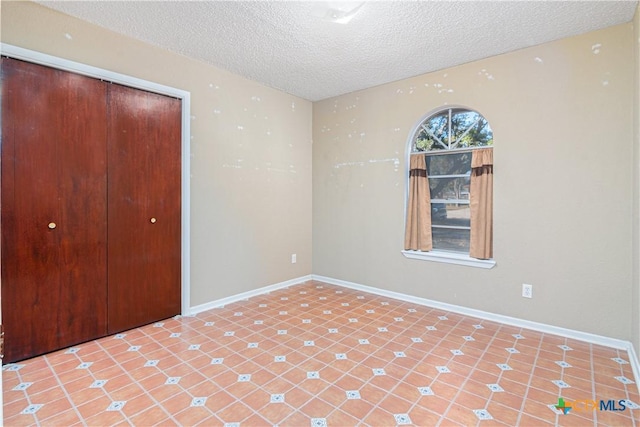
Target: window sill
<point>450,258</point>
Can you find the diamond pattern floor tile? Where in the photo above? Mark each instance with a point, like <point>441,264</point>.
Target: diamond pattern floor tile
<point>315,354</point>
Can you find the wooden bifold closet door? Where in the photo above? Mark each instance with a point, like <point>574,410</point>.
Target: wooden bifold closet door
<point>144,207</point>
<point>54,206</point>
<point>84,163</point>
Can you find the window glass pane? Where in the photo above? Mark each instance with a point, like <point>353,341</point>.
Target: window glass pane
<point>479,132</point>
<point>425,142</point>
<point>447,239</point>
<point>449,188</point>
<point>449,164</point>
<point>450,214</point>
<point>460,122</point>
<point>438,125</point>
<point>467,129</point>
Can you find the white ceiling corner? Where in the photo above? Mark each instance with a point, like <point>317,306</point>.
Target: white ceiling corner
<point>293,46</point>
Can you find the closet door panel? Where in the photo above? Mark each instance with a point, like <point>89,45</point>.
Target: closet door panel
<point>53,179</point>
<point>82,186</point>
<point>144,207</point>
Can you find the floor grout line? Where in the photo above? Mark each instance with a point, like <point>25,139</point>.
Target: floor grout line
<point>55,374</point>
<point>526,393</point>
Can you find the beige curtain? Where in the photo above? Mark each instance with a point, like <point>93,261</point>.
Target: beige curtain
<point>481,201</point>
<point>417,234</point>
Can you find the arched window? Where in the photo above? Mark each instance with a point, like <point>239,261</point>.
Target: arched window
<point>450,187</point>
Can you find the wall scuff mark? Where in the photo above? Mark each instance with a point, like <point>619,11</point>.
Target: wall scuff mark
<point>394,160</point>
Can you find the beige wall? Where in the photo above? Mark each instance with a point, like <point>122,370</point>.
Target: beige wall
<point>636,186</point>
<point>563,148</point>
<point>251,152</point>
<point>563,179</point>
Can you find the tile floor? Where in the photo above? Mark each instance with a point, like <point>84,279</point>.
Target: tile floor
<point>321,355</point>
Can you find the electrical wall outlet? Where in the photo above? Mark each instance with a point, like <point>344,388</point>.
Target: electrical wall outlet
<point>527,290</point>
<point>294,258</point>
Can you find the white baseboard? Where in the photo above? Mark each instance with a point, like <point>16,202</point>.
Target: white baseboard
<point>513,321</point>
<point>244,295</point>
<point>633,359</point>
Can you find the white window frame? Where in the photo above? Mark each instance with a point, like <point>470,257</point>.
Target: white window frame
<point>436,255</point>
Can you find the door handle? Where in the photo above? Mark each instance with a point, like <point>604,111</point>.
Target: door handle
<point>152,220</point>
<point>52,225</point>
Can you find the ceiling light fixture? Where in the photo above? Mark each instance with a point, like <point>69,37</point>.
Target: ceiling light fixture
<point>340,12</point>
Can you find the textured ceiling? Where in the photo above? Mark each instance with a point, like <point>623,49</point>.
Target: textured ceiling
<point>295,47</point>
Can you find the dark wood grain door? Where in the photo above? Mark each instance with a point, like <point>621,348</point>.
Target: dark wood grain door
<point>54,232</point>
<point>144,207</point>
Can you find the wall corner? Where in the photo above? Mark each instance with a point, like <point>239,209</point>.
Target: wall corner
<point>635,286</point>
